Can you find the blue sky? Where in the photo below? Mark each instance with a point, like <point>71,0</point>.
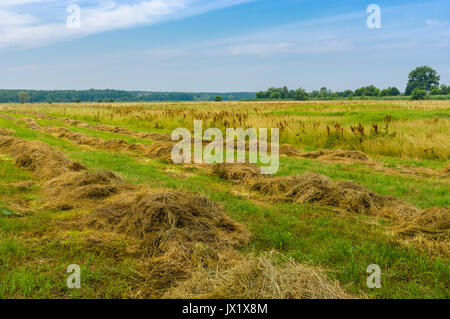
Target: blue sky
<point>220,45</point>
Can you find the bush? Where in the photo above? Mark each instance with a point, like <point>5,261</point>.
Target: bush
<point>418,94</point>
<point>218,99</point>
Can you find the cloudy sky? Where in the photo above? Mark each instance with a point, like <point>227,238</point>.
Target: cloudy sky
<point>219,45</point>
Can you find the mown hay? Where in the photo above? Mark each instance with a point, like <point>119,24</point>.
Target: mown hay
<point>160,150</point>
<point>178,231</point>
<point>236,172</point>
<point>259,278</point>
<point>163,218</point>
<point>289,150</point>
<point>29,122</point>
<point>316,189</point>
<point>78,189</point>
<point>38,157</point>
<point>433,222</point>
<point>336,155</point>
<point>428,230</point>
<point>446,171</point>
<point>6,131</point>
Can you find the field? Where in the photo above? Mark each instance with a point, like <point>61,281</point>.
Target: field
<point>360,183</point>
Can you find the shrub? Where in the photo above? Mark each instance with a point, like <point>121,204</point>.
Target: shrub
<point>418,94</point>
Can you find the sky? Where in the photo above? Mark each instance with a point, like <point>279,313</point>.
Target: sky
<point>219,45</point>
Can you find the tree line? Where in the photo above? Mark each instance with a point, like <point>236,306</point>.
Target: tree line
<point>422,81</point>
<point>74,96</point>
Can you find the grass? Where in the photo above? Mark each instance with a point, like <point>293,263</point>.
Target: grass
<point>34,253</point>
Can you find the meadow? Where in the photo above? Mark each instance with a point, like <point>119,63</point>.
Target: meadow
<point>360,183</point>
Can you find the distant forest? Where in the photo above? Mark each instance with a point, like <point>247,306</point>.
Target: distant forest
<point>58,96</point>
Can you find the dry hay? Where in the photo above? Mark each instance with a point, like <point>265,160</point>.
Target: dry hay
<point>289,150</point>
<point>155,136</point>
<point>29,122</point>
<point>259,278</point>
<point>236,172</point>
<point>178,232</point>
<point>164,217</point>
<point>83,139</point>
<point>428,230</point>
<point>160,150</point>
<point>446,171</point>
<point>316,189</point>
<point>38,157</point>
<point>6,131</point>
<point>80,189</point>
<point>337,156</point>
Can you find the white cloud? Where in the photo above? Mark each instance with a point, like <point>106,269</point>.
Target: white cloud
<point>24,30</point>
<point>436,22</point>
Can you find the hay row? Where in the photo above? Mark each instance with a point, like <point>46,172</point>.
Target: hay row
<point>187,243</point>
<point>409,221</point>
<point>157,150</point>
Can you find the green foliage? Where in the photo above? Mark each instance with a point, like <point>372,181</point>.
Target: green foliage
<point>75,96</point>
<point>218,98</point>
<point>23,96</point>
<point>418,94</point>
<point>423,78</point>
<point>369,90</point>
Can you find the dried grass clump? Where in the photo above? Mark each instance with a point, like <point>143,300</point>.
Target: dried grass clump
<point>6,131</point>
<point>262,277</point>
<point>236,172</point>
<point>167,218</point>
<point>289,150</point>
<point>160,150</point>
<point>432,222</point>
<point>30,123</point>
<point>446,171</point>
<point>155,136</point>
<point>81,189</point>
<point>38,157</point>
<point>318,189</point>
<point>428,230</point>
<point>337,155</point>
<point>178,233</point>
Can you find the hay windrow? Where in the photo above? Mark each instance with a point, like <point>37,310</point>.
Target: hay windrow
<point>337,155</point>
<point>160,150</point>
<point>163,218</point>
<point>289,150</point>
<point>259,278</point>
<point>428,229</point>
<point>81,189</point>
<point>38,157</point>
<point>6,131</point>
<point>236,172</point>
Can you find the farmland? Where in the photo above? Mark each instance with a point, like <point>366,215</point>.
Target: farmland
<point>360,183</point>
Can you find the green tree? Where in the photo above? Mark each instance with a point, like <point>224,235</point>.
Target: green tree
<point>23,96</point>
<point>218,99</point>
<point>393,91</point>
<point>423,78</point>
<point>275,95</point>
<point>300,95</point>
<point>418,94</point>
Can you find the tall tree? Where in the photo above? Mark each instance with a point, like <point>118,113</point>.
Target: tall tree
<point>23,96</point>
<point>423,78</point>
